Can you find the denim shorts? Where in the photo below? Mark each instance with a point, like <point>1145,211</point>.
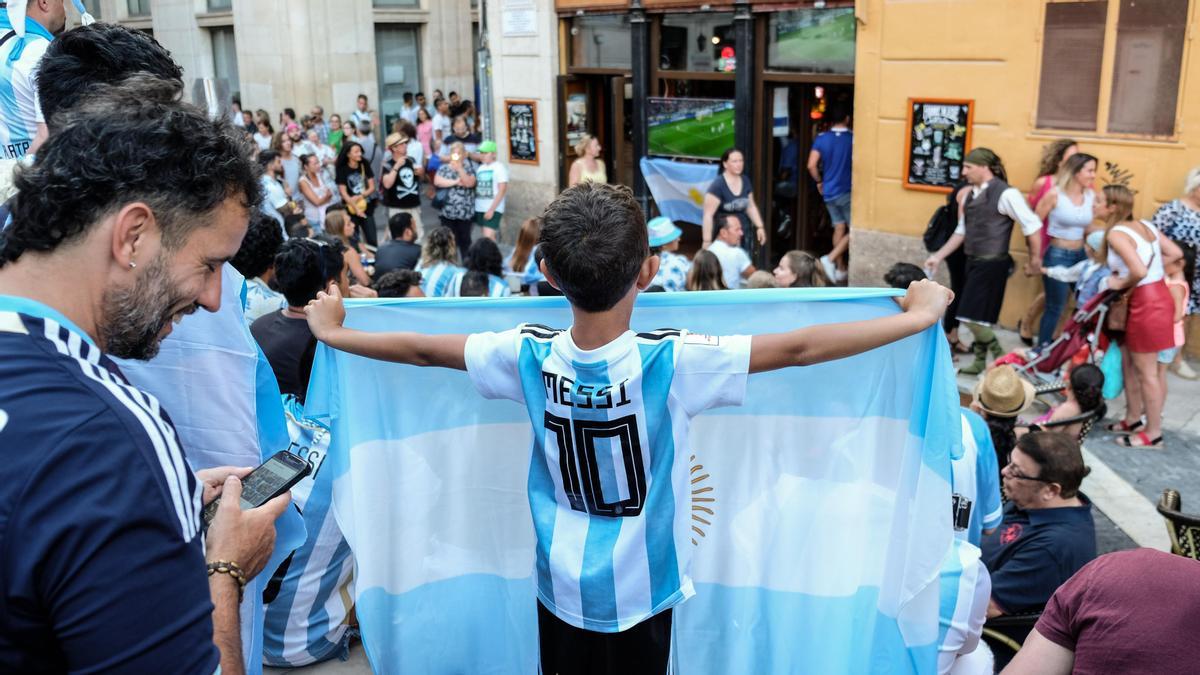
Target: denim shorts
<point>1168,355</point>
<point>839,209</point>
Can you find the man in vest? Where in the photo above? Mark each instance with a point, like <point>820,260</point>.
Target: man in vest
<point>987,210</point>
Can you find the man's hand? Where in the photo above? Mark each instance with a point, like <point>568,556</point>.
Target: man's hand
<point>761,235</point>
<point>928,299</point>
<point>326,312</point>
<point>244,537</point>
<point>931,264</point>
<point>357,291</point>
<point>213,479</point>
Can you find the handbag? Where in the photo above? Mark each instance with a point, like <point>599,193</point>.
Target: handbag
<point>439,198</point>
<point>1118,313</point>
<point>942,223</point>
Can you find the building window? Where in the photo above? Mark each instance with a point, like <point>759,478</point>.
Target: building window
<point>1143,86</point>
<point>601,42</point>
<point>138,7</point>
<point>397,55</point>
<point>220,5</point>
<point>701,42</point>
<point>397,3</point>
<point>225,64</point>
<point>1149,56</point>
<point>93,8</point>
<point>812,40</point>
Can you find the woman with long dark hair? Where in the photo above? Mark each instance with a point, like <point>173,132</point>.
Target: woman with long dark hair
<point>523,260</point>
<point>732,194</point>
<point>1067,208</point>
<point>705,274</point>
<point>484,257</point>
<point>800,269</point>
<point>356,183</point>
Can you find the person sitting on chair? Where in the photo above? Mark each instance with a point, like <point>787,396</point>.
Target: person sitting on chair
<point>1084,395</point>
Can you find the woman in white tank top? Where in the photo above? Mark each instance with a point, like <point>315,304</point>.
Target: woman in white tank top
<point>1136,253</point>
<point>1067,210</point>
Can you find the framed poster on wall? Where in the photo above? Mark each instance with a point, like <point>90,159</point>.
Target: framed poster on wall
<point>522,131</point>
<point>939,136</point>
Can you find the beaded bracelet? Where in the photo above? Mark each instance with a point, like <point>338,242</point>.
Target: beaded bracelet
<point>232,569</point>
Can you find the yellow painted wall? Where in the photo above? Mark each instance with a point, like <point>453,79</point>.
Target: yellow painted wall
<point>989,51</point>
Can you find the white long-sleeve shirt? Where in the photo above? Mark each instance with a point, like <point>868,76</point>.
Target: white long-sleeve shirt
<point>1012,204</point>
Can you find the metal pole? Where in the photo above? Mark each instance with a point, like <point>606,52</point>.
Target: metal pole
<point>640,37</point>
<point>743,87</point>
<point>484,109</point>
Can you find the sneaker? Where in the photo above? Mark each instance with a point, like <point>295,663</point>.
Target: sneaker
<point>1183,370</point>
<point>840,276</point>
<point>829,267</point>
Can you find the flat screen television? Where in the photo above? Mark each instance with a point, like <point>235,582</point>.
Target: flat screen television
<point>700,128</point>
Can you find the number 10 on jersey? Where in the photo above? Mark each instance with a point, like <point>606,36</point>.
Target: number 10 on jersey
<point>580,467</point>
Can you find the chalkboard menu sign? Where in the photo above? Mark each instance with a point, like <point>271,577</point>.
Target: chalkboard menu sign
<point>522,131</point>
<point>939,136</point>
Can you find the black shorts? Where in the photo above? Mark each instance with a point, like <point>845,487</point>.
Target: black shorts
<point>644,649</point>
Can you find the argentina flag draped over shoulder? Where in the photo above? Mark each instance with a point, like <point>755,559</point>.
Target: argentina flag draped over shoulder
<point>820,508</point>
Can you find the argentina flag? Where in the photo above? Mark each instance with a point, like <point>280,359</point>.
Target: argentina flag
<point>818,516</point>
<point>678,187</point>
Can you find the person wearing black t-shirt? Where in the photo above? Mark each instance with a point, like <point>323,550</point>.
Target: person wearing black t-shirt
<point>401,182</point>
<point>401,253</point>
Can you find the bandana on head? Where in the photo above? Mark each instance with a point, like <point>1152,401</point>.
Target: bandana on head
<point>981,157</point>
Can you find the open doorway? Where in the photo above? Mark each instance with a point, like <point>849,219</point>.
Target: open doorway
<point>795,115</point>
<point>600,105</point>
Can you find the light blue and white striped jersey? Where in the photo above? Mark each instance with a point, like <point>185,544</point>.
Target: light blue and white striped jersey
<point>962,606</point>
<point>497,286</point>
<point>307,620</point>
<point>532,272</point>
<point>609,478</point>
<point>437,279</point>
<point>976,477</point>
<point>20,111</point>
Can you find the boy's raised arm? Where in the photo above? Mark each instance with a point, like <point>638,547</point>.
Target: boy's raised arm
<point>325,317</point>
<point>923,306</point>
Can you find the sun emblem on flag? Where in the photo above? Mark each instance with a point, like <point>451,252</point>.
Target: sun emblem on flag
<point>702,500</point>
<point>696,197</point>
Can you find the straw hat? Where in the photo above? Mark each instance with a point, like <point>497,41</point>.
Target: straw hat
<point>1003,393</point>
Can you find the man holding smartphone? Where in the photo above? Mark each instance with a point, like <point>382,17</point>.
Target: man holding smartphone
<point>102,565</point>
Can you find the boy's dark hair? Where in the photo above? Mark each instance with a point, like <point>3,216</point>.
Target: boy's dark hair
<point>902,274</point>
<point>838,112</point>
<point>396,284</point>
<point>167,154</point>
<point>1058,457</point>
<point>300,271</point>
<point>474,284</point>
<point>84,59</point>
<point>1087,383</point>
<point>408,97</point>
<point>594,242</point>
<point>399,224</point>
<point>262,242</point>
<point>296,226</point>
<point>484,256</point>
<point>265,157</point>
<point>333,252</point>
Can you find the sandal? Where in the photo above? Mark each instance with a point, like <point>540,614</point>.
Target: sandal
<point>1124,427</point>
<point>1028,340</point>
<point>1146,442</point>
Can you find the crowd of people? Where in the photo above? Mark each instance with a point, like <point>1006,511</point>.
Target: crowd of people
<point>113,571</point>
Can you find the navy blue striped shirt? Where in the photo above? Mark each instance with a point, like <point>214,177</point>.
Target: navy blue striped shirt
<point>101,559</point>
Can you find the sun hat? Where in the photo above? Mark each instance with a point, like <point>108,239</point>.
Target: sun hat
<point>1003,393</point>
<point>662,231</point>
<point>487,146</point>
<point>393,139</point>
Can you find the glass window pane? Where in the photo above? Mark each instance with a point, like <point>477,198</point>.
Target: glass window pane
<point>397,3</point>
<point>93,8</point>
<point>225,64</point>
<point>1149,56</point>
<point>220,5</point>
<point>812,40</point>
<point>1072,51</point>
<point>601,42</point>
<point>698,42</point>
<point>138,7</point>
<point>397,56</point>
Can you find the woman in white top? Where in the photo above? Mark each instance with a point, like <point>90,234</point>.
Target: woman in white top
<point>315,191</point>
<point>1066,208</point>
<point>263,136</point>
<point>1136,252</point>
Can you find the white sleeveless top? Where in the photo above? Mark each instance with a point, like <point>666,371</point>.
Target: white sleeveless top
<point>1068,221</point>
<point>1149,252</point>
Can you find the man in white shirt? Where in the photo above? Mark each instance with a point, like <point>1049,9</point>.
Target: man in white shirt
<point>362,112</point>
<point>735,262</point>
<point>408,111</point>
<point>441,124</point>
<point>988,207</point>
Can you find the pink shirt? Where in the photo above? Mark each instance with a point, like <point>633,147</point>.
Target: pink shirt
<point>1180,337</point>
<point>425,136</point>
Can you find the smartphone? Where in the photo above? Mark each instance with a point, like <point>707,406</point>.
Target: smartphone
<point>274,477</point>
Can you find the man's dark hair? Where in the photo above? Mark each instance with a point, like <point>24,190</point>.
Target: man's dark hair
<point>300,271</point>
<point>420,94</point>
<point>265,157</point>
<point>262,242</point>
<point>333,252</point>
<point>838,113</point>
<point>484,256</point>
<point>399,224</point>
<point>290,113</point>
<point>122,145</point>
<point>85,59</point>
<point>362,97</point>
<point>1058,458</point>
<point>474,284</point>
<point>452,94</point>
<point>395,284</point>
<point>296,226</point>
<point>408,97</point>
<point>902,274</point>
<point>594,242</point>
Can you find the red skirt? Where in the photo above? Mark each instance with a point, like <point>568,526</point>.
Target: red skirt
<point>1150,327</point>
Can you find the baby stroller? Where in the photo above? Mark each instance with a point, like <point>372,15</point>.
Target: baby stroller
<point>1082,340</point>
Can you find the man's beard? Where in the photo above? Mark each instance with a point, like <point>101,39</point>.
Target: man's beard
<point>135,316</point>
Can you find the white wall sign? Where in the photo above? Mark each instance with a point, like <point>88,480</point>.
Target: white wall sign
<point>518,18</point>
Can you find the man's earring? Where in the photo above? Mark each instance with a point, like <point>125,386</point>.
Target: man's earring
<point>132,264</point>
